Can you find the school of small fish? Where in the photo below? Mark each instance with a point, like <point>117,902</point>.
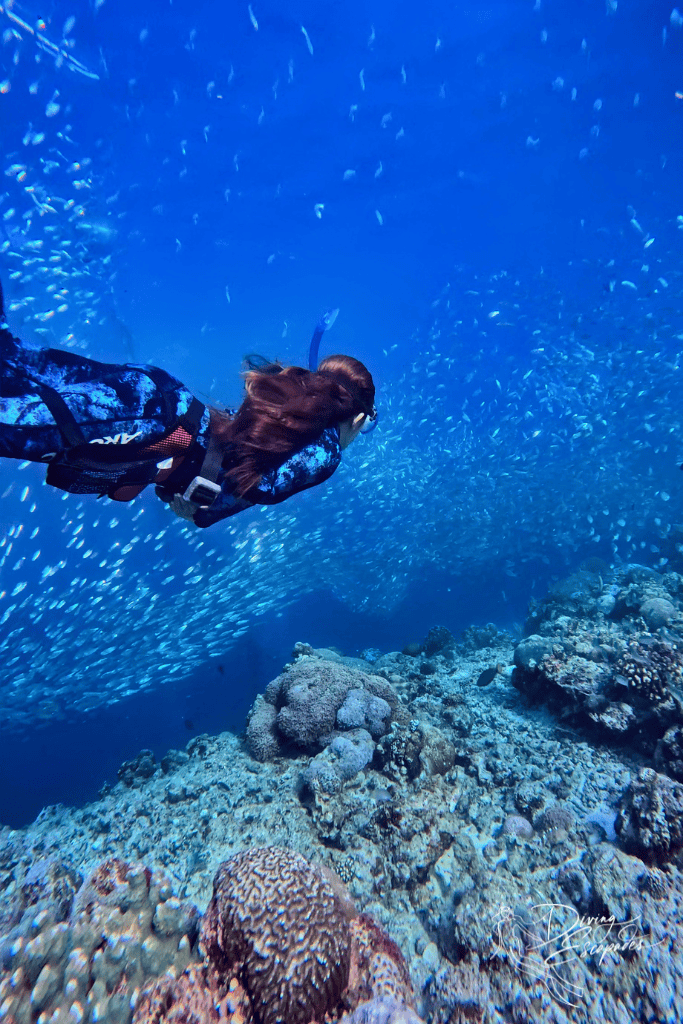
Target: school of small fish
<point>481,458</point>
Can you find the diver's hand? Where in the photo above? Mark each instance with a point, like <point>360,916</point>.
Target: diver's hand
<point>182,508</point>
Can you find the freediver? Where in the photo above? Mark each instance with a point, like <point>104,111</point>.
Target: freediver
<point>113,429</point>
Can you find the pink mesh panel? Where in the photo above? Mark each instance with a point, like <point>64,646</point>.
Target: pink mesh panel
<point>176,443</point>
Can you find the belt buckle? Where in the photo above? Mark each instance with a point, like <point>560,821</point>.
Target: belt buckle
<point>202,492</point>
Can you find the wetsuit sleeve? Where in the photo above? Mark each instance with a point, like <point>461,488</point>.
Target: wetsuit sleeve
<point>224,506</point>
<point>306,468</point>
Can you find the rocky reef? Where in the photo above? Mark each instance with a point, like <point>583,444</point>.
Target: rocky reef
<point>508,813</point>
<point>607,656</point>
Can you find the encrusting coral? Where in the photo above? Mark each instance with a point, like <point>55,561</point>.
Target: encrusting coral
<point>87,957</point>
<point>304,705</point>
<point>650,821</point>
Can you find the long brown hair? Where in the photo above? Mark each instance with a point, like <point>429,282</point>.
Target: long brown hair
<point>287,407</point>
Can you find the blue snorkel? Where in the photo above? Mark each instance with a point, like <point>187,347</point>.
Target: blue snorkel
<point>324,324</point>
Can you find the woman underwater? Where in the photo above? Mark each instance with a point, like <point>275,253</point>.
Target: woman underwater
<point>113,429</point>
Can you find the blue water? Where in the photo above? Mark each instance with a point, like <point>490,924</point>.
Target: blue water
<point>205,146</point>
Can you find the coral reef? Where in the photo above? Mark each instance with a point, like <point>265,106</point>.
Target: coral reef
<point>650,667</point>
<point>438,640</point>
<point>280,943</point>
<point>341,759</point>
<point>415,748</point>
<point>554,818</point>
<point>477,638</point>
<point>516,825</point>
<point>455,822</point>
<point>138,769</point>
<point>363,710</point>
<point>669,752</point>
<point>381,1011</point>
<point>327,706</point>
<point>605,671</point>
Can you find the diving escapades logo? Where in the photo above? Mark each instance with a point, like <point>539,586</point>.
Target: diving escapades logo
<point>545,941</point>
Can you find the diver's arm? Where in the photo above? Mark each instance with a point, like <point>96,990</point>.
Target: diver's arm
<point>224,506</point>
<point>308,467</point>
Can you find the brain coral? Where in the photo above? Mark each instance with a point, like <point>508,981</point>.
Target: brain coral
<point>283,945</point>
<point>276,915</point>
